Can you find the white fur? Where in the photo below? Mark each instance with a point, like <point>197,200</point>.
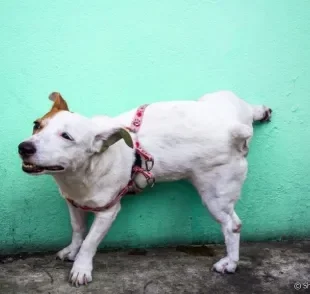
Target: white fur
<point>204,141</point>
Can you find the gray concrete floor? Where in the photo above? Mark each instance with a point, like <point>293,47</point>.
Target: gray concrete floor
<point>264,268</point>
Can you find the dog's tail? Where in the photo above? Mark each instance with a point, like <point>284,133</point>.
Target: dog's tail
<point>241,134</point>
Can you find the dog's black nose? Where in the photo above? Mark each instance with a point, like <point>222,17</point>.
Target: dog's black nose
<point>26,149</point>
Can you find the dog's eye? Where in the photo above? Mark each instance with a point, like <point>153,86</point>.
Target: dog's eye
<point>36,126</point>
<point>66,136</point>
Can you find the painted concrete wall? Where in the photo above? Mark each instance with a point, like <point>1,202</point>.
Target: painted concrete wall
<point>109,56</point>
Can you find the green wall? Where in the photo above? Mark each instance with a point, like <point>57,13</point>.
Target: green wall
<point>108,56</point>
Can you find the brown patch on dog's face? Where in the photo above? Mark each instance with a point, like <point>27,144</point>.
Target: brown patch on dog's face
<point>59,105</point>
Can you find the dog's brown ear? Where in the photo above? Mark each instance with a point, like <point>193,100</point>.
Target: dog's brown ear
<point>59,102</point>
<point>115,137</point>
<point>104,140</point>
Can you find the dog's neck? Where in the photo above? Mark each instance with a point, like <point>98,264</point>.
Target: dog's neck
<point>100,179</point>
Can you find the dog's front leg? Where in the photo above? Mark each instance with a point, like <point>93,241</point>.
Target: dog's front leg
<point>81,272</point>
<point>77,217</point>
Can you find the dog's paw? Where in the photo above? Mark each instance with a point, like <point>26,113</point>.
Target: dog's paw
<point>225,265</point>
<point>68,253</point>
<point>80,275</point>
<point>267,114</point>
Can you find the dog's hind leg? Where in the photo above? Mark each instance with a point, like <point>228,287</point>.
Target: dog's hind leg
<point>261,113</point>
<point>223,212</point>
<point>219,192</point>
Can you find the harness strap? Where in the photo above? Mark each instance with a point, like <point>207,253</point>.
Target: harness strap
<point>131,187</point>
<point>123,192</point>
<point>135,127</point>
<point>148,176</point>
<point>137,121</point>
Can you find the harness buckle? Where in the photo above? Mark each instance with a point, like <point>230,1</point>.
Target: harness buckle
<point>149,164</point>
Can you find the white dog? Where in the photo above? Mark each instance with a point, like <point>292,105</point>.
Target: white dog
<point>96,161</point>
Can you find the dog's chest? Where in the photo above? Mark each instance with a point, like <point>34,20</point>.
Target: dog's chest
<point>70,188</point>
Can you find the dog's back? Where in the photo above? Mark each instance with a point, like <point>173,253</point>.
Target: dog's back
<point>181,134</point>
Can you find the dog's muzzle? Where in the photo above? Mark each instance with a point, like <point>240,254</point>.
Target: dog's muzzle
<point>26,149</point>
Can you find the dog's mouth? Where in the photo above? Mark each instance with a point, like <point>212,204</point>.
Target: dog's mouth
<point>36,169</point>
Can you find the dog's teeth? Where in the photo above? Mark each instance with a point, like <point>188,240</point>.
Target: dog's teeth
<point>28,165</point>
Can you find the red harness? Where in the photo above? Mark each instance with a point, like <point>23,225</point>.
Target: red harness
<point>132,187</point>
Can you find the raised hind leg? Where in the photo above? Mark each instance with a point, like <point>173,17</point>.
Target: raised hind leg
<point>261,113</point>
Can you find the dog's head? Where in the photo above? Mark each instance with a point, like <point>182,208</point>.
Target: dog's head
<point>62,140</point>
